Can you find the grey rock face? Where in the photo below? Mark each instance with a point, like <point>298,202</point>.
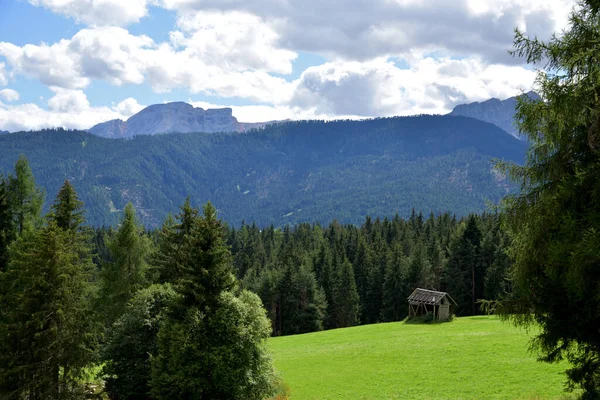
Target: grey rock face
<point>498,112</point>
<point>172,117</point>
<point>115,128</point>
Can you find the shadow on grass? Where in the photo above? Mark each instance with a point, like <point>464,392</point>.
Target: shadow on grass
<point>426,319</point>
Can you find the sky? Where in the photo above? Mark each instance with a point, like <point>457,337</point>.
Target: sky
<point>75,63</point>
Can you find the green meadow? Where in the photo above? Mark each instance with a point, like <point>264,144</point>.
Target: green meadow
<point>469,358</point>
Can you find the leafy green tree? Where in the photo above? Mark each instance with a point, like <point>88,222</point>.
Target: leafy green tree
<point>129,250</point>
<point>132,342</point>
<point>221,355</point>
<point>212,344</point>
<point>554,220</point>
<point>26,200</point>
<point>48,329</point>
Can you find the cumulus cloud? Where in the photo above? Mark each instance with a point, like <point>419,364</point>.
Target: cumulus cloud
<point>98,12</point>
<point>239,40</point>
<point>118,57</point>
<point>67,108</point>
<point>128,107</point>
<point>366,29</point>
<point>428,85</point>
<point>9,95</point>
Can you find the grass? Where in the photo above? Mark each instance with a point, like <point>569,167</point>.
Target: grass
<point>469,358</point>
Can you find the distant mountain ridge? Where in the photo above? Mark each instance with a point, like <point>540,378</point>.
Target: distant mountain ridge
<point>3,132</point>
<point>498,112</point>
<point>286,173</point>
<point>173,117</point>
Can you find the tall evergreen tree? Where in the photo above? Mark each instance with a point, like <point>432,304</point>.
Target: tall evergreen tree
<point>26,200</point>
<point>212,344</point>
<point>554,219</point>
<point>169,260</point>
<point>48,328</point>
<point>129,250</point>
<point>7,226</point>
<point>346,299</point>
<point>395,288</point>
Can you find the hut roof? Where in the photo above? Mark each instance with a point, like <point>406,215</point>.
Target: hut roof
<point>428,296</point>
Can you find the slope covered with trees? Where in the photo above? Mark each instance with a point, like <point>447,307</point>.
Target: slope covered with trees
<point>310,171</point>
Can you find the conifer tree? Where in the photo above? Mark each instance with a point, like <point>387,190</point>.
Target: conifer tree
<point>7,226</point>
<point>26,200</point>
<point>346,299</point>
<point>395,287</point>
<point>126,274</point>
<point>174,236</point>
<point>212,344</point>
<point>554,220</point>
<point>48,329</point>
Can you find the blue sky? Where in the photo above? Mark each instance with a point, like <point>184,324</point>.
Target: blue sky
<point>75,63</point>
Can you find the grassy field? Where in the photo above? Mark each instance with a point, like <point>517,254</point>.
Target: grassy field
<point>469,358</point>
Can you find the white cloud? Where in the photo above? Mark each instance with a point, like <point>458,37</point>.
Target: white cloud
<point>128,107</point>
<point>52,65</point>
<point>241,41</point>
<point>3,75</point>
<point>366,29</point>
<point>9,95</point>
<point>118,57</point>
<point>379,88</point>
<point>67,108</point>
<point>98,12</point>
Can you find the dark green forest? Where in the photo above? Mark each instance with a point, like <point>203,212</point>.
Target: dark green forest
<point>183,311</point>
<point>307,171</point>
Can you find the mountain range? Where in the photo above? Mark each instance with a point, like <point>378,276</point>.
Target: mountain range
<point>177,117</point>
<point>182,117</point>
<point>285,173</point>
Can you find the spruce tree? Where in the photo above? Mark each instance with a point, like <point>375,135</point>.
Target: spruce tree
<point>47,324</point>
<point>554,220</point>
<point>26,200</point>
<point>129,250</point>
<point>7,226</point>
<point>212,344</point>
<point>346,299</point>
<point>396,288</point>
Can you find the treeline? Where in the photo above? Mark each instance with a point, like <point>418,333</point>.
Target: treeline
<point>184,311</point>
<point>312,277</point>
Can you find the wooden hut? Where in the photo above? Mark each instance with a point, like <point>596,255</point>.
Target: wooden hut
<point>423,301</point>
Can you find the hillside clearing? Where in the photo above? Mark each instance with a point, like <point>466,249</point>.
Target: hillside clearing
<point>470,358</point>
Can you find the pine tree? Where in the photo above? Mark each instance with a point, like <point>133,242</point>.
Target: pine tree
<point>346,299</point>
<point>395,288</point>
<point>25,198</point>
<point>554,220</point>
<point>48,326</point>
<point>7,226</point>
<point>212,344</point>
<point>174,236</point>
<point>129,250</point>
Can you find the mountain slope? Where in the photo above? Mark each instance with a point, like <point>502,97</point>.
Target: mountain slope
<point>285,173</point>
<point>498,112</point>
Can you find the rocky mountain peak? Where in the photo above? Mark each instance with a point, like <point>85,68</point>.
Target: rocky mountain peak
<point>498,112</point>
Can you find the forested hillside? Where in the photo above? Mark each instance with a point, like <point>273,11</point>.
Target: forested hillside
<point>286,173</point>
